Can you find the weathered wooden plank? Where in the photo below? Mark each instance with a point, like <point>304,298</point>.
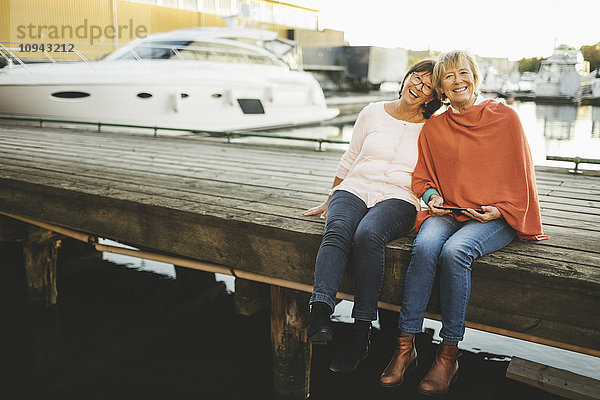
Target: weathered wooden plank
<point>571,194</point>
<point>555,217</point>
<point>273,205</point>
<point>553,380</point>
<point>570,208</point>
<point>180,158</point>
<point>567,180</point>
<point>328,178</point>
<point>221,206</point>
<point>568,238</point>
<point>565,172</point>
<point>169,183</point>
<point>152,174</point>
<point>557,191</point>
<point>552,217</point>
<point>135,161</point>
<point>177,149</point>
<point>241,176</point>
<point>593,206</point>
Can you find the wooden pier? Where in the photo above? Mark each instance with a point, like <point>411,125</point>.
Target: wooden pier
<point>238,206</point>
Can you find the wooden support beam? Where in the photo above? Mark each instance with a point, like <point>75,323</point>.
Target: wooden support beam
<point>250,297</point>
<point>553,380</point>
<point>291,350</point>
<point>40,251</point>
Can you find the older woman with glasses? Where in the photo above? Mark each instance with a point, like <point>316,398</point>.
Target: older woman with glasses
<point>473,156</point>
<point>370,203</point>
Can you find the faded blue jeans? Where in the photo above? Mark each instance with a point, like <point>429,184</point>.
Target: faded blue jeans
<point>357,235</point>
<point>452,246</point>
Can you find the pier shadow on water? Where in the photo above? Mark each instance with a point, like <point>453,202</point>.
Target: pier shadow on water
<point>120,333</point>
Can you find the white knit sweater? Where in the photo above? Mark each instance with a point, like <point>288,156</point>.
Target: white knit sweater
<point>381,157</point>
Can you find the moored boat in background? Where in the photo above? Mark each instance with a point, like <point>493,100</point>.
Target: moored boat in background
<point>560,76</point>
<point>215,79</point>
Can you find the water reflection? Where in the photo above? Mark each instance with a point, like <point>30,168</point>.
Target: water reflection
<point>596,122</point>
<point>559,120</point>
<point>566,131</point>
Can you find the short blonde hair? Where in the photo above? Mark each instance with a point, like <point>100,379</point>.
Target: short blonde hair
<point>452,59</point>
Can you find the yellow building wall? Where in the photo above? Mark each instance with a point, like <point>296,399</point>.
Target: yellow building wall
<point>90,24</point>
<point>4,19</point>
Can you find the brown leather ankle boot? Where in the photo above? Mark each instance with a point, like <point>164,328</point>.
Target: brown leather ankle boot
<point>442,373</point>
<point>403,359</point>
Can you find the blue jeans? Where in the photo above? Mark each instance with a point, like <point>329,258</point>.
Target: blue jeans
<point>451,245</point>
<point>357,235</point>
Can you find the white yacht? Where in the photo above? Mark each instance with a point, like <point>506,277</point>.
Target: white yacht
<point>215,79</point>
<point>560,75</point>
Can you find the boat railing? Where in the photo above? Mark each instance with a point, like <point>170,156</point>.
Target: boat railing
<point>231,54</point>
<point>225,134</point>
<point>9,56</point>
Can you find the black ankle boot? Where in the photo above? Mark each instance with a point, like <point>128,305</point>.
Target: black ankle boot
<point>320,329</point>
<point>354,350</point>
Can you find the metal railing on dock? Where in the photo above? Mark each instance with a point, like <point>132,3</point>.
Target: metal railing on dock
<point>227,134</point>
<point>576,160</point>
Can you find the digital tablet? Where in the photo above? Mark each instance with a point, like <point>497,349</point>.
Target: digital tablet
<point>479,210</point>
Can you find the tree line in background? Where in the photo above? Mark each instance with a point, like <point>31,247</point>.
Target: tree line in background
<point>590,53</point>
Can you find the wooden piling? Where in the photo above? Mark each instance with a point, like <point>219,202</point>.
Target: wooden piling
<point>250,297</point>
<point>40,251</point>
<point>291,350</point>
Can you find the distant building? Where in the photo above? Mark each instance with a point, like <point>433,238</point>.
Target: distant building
<point>359,68</point>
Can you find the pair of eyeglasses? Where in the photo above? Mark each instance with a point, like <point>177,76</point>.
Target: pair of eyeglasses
<point>417,80</point>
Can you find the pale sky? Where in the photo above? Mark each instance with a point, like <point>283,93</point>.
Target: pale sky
<point>489,28</point>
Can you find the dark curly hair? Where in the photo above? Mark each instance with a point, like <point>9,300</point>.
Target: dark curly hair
<point>424,66</point>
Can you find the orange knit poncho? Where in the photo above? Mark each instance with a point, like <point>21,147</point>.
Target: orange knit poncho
<point>480,157</point>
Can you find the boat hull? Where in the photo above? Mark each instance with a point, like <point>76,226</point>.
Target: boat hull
<point>212,98</point>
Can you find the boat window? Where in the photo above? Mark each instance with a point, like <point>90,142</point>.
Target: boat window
<point>144,95</point>
<point>251,106</point>
<point>70,95</point>
<point>155,50</point>
<point>193,51</point>
<point>155,53</point>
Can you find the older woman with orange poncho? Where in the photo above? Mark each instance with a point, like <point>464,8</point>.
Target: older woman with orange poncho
<point>473,156</point>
